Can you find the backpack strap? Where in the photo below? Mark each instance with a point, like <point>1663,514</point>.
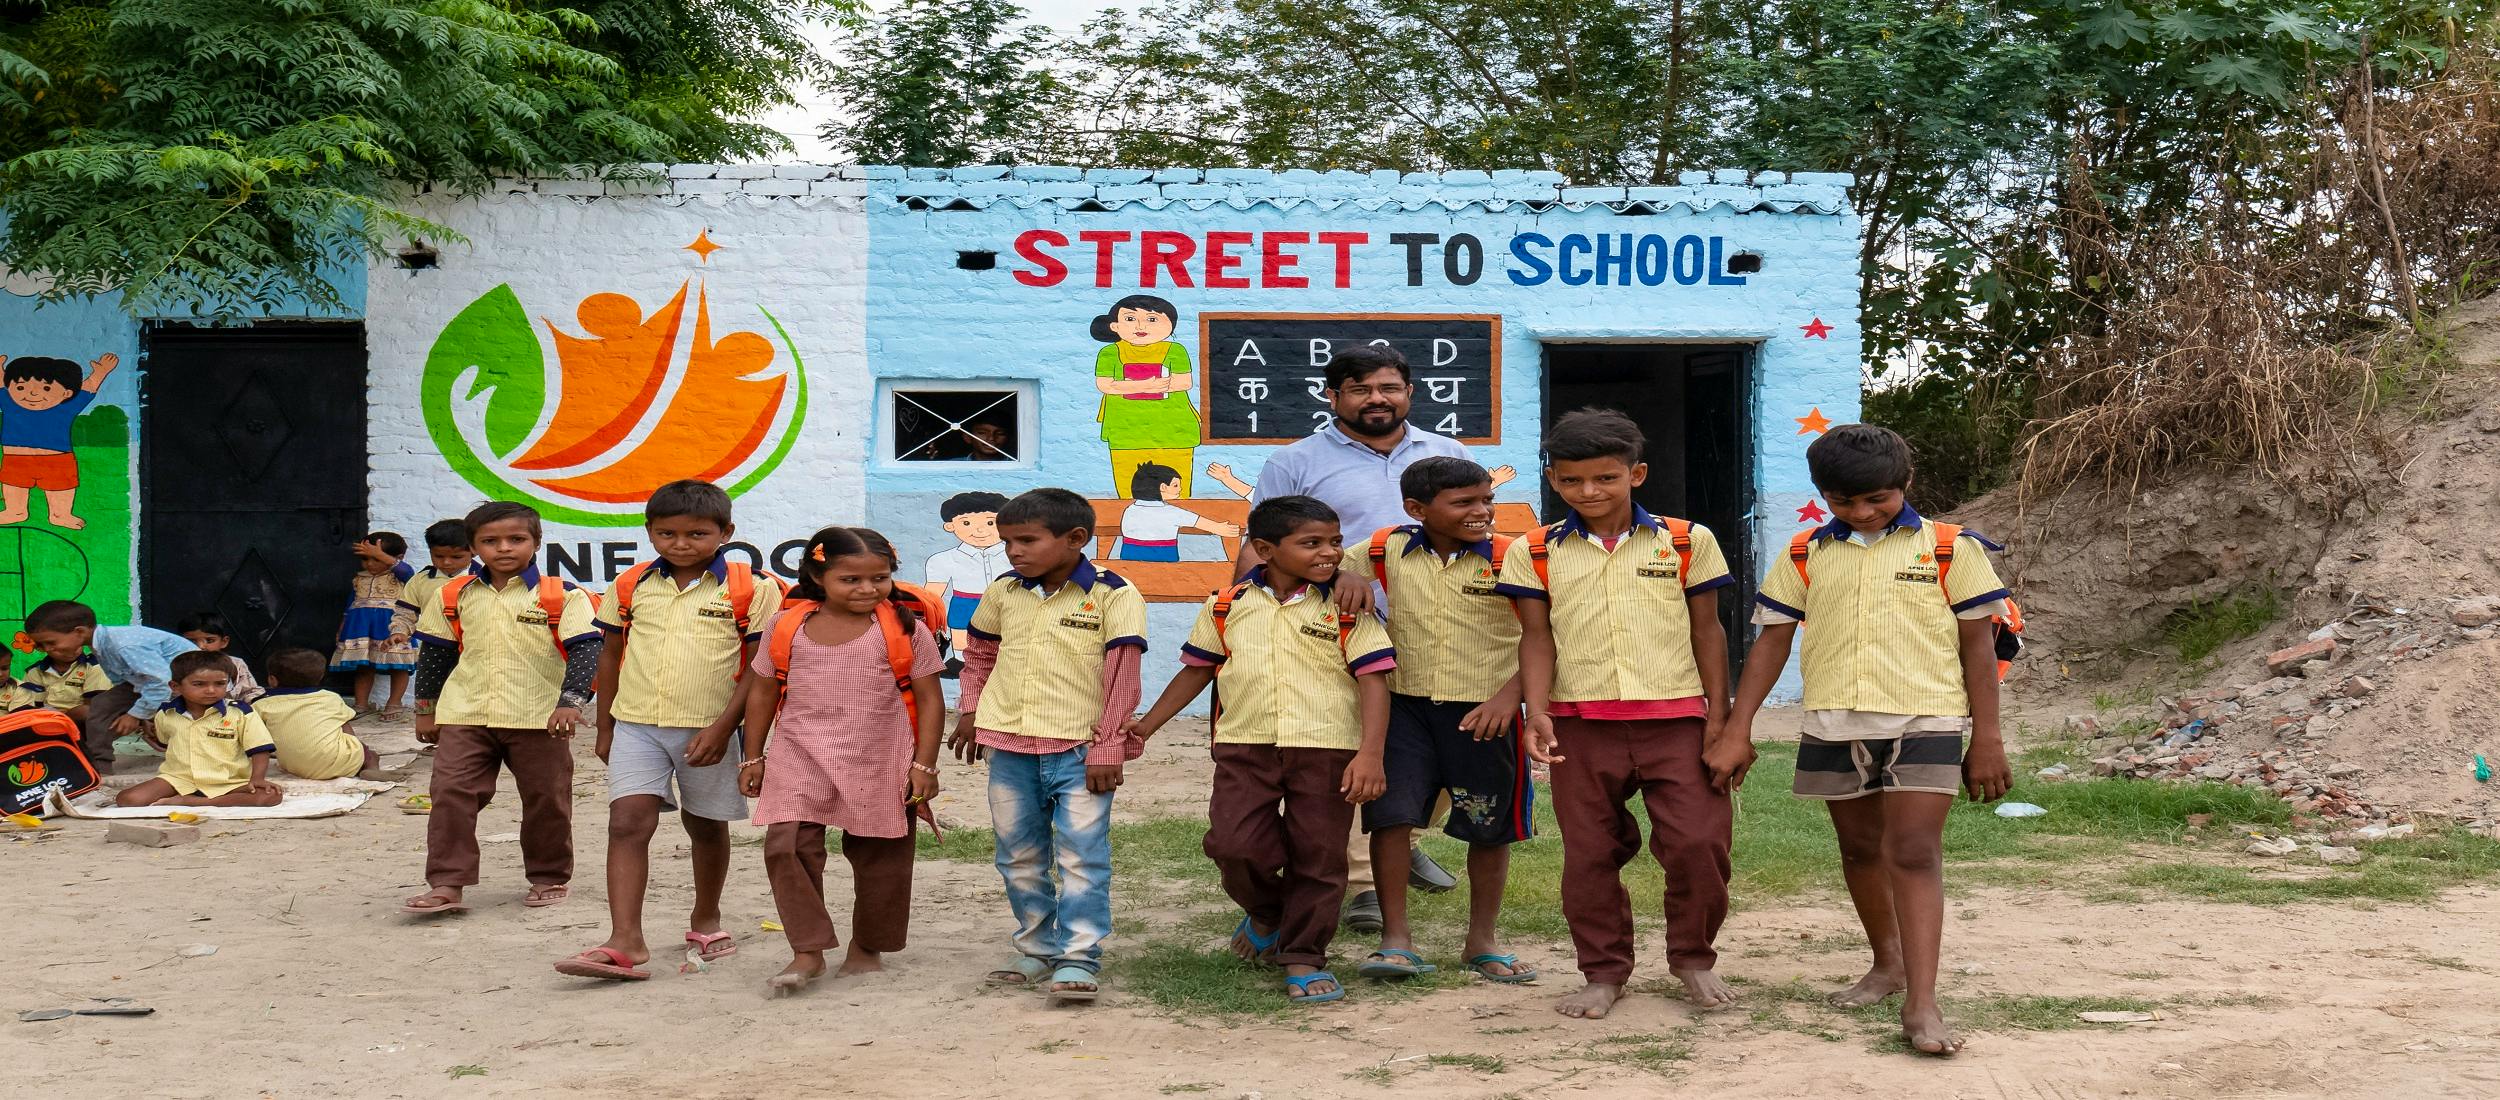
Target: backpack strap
<point>1948,535</point>
<point>451,602</point>
<point>898,656</point>
<point>1537,555</point>
<point>551,592</point>
<point>794,615</point>
<point>623,591</point>
<point>1680,535</point>
<point>1377,549</point>
<point>741,586</point>
<point>1223,608</point>
<point>1799,548</point>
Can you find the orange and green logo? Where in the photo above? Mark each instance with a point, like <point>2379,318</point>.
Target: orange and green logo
<point>27,773</point>
<point>633,401</point>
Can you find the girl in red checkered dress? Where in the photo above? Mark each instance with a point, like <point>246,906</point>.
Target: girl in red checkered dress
<point>845,753</point>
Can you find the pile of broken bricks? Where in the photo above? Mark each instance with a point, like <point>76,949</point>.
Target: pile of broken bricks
<point>2270,734</point>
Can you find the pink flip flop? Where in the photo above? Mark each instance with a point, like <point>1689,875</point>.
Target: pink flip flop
<point>541,901</point>
<point>616,969</point>
<point>411,907</point>
<point>704,943</point>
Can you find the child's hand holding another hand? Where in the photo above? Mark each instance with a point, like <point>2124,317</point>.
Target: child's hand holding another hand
<point>1103,778</point>
<point>1729,754</point>
<point>961,742</point>
<point>562,722</point>
<point>1540,738</point>
<point>709,746</point>
<point>751,778</point>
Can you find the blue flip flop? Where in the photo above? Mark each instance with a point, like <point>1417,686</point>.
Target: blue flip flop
<point>1262,950</point>
<point>1385,967</point>
<point>1073,975</point>
<point>1302,986</point>
<point>1517,976</point>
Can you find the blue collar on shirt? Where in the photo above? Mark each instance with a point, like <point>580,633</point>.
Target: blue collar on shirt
<point>1574,525</point>
<point>1258,576</point>
<point>528,576</point>
<point>293,691</point>
<point>1083,577</point>
<point>474,570</point>
<point>1908,520</point>
<point>1418,539</point>
<point>177,707</point>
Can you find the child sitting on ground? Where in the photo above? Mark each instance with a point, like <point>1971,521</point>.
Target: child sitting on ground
<point>136,660</point>
<point>208,630</point>
<point>313,729</point>
<point>850,751</point>
<point>1453,708</point>
<point>1298,740</point>
<point>1624,667</point>
<point>1900,663</point>
<point>367,643</point>
<point>217,752</point>
<point>65,685</point>
<point>1052,670</point>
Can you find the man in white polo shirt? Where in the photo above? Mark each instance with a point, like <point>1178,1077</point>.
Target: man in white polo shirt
<point>1353,465</point>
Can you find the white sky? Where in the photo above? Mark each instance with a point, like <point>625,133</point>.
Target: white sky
<point>800,123</point>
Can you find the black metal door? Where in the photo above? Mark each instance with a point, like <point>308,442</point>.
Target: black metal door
<point>252,482</point>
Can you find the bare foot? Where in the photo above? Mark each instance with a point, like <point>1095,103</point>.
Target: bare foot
<point>1928,1033</point>
<point>69,523</point>
<point>1703,988</point>
<point>805,967</point>
<point>18,516</point>
<point>1871,989</point>
<point>856,962</point>
<point>1592,1002</point>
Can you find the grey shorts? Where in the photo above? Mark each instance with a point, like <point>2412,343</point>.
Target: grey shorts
<point>649,759</point>
<point>1929,763</point>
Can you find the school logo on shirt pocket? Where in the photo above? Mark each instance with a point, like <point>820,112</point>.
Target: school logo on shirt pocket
<point>1917,576</point>
<point>1320,630</point>
<point>535,616</point>
<point>1660,566</point>
<point>1081,620</point>
<point>719,610</point>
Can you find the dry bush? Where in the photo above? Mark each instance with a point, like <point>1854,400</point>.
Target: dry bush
<point>2260,332</point>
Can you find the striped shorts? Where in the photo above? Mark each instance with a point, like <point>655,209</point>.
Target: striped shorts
<point>1929,763</point>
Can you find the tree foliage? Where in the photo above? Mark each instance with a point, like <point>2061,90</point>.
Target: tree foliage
<point>224,154</point>
<point>942,83</point>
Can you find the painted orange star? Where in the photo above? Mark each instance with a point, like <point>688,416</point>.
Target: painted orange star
<point>1813,422</point>
<point>1817,330</point>
<point>703,246</point>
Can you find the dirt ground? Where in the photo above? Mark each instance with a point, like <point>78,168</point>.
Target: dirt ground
<point>319,986</point>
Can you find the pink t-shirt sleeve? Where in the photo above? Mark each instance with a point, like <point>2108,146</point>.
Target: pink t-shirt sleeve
<point>924,653</point>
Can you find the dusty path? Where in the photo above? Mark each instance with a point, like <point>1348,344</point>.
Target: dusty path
<point>319,987</point>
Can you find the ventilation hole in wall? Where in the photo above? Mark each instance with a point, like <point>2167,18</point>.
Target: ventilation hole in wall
<point>915,204</point>
<point>419,256</point>
<point>1635,210</point>
<point>960,204</point>
<point>1090,206</point>
<point>976,260</point>
<point>1744,263</point>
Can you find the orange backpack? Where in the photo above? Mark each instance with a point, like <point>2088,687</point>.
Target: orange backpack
<point>1679,534</point>
<point>2009,626</point>
<point>551,592</point>
<point>1377,551</point>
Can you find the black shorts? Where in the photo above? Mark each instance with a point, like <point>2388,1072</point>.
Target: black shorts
<point>1491,799</point>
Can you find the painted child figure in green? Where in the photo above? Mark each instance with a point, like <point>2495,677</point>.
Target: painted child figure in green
<point>1144,377</point>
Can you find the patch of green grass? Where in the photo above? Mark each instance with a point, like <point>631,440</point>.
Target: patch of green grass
<point>2445,962</point>
<point>1881,1022</point>
<point>458,1072</point>
<point>1053,1046</point>
<point>2410,869</point>
<point>1377,1075</point>
<point>1175,974</point>
<point>2204,626</point>
<point>1193,1086</point>
<point>1643,1051</point>
<point>1480,1063</point>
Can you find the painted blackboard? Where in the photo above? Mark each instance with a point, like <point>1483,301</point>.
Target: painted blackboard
<point>1260,374</point>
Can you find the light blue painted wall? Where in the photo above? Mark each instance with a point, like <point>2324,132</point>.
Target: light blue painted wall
<point>928,318</point>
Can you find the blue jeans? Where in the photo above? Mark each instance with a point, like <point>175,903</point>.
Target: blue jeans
<point>1045,818</point>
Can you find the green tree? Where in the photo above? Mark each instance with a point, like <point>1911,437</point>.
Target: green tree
<point>225,155</point>
<point>942,83</point>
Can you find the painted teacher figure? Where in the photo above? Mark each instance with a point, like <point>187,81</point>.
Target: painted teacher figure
<point>1144,377</point>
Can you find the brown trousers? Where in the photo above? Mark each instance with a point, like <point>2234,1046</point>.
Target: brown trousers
<point>1604,764</point>
<point>1276,829</point>
<point>466,759</point>
<point>102,709</point>
<point>794,861</point>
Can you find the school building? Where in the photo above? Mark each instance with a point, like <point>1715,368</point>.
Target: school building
<point>871,344</point>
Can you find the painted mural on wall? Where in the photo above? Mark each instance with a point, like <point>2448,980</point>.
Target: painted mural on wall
<point>584,433</point>
<point>641,343</point>
<point>65,460</point>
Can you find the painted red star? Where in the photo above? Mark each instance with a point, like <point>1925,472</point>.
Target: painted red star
<point>1816,329</point>
<point>1812,513</point>
<point>1813,422</point>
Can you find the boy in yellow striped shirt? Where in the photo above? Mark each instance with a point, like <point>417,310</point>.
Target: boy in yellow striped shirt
<point>1900,663</point>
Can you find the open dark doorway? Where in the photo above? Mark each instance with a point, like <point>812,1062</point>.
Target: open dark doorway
<point>1695,403</point>
<point>252,479</point>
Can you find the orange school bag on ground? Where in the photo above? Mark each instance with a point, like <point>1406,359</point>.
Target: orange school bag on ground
<point>2009,626</point>
<point>39,754</point>
<point>898,654</point>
